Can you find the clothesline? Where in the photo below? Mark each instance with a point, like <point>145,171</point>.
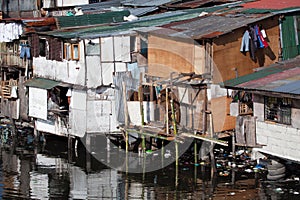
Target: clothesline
<point>253,38</point>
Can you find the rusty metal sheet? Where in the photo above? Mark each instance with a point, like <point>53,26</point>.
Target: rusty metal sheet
<point>271,4</point>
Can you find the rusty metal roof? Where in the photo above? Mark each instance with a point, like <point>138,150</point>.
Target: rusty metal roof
<point>212,26</point>
<point>186,23</point>
<point>282,77</point>
<point>273,4</point>
<point>195,3</point>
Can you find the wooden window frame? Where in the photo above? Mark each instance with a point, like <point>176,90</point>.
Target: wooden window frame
<point>71,51</point>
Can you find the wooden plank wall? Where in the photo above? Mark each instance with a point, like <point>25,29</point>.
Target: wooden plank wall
<point>227,53</point>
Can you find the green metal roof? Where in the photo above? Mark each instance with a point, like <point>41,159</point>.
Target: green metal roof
<point>41,83</point>
<point>154,20</point>
<point>250,77</point>
<point>272,69</point>
<point>91,19</point>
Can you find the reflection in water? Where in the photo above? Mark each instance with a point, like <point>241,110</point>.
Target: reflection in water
<point>49,172</point>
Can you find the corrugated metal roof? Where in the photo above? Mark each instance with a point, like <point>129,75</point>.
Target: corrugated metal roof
<point>281,77</point>
<point>273,4</point>
<point>144,3</point>
<point>95,7</point>
<point>142,11</point>
<point>41,83</point>
<point>154,20</point>
<point>111,29</point>
<point>91,19</point>
<point>115,5</point>
<point>215,25</point>
<point>195,3</point>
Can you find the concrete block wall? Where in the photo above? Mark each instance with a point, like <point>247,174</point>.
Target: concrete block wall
<point>278,140</point>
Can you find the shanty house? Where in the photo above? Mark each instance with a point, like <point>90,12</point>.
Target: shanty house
<point>273,93</point>
<point>16,63</point>
<point>213,44</point>
<point>71,92</point>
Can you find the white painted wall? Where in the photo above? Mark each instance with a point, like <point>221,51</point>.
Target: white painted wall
<point>57,127</point>
<point>122,48</point>
<point>72,72</point>
<point>107,73</point>
<point>280,140</point>
<point>38,103</point>
<point>78,114</point>
<point>135,114</point>
<point>258,107</point>
<point>45,126</point>
<point>296,117</point>
<point>100,116</point>
<point>216,91</point>
<point>65,3</point>
<point>94,72</point>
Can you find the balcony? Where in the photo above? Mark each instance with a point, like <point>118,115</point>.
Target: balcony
<point>8,59</point>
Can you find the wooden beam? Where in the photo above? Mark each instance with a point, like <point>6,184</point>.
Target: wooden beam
<point>220,142</point>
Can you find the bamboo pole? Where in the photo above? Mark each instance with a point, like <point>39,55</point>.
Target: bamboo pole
<point>212,156</point>
<point>142,111</point>
<point>213,140</point>
<point>167,111</point>
<point>174,121</point>
<point>151,135</point>
<point>126,115</point>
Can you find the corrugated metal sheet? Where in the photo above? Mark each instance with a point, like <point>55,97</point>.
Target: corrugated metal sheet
<point>292,87</point>
<point>92,19</point>
<point>271,4</point>
<point>216,25</point>
<point>289,38</point>
<point>194,3</point>
<point>96,7</point>
<point>41,83</point>
<point>142,11</point>
<point>144,3</point>
<point>281,77</point>
<point>154,20</point>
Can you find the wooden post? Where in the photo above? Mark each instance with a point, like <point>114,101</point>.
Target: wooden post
<point>88,152</point>
<point>70,148</point>
<point>126,115</point>
<point>204,111</point>
<point>212,156</point>
<point>167,111</point>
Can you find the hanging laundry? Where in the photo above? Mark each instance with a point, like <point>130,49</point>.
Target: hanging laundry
<point>13,91</point>
<point>25,51</point>
<point>264,42</point>
<point>253,43</point>
<point>259,41</point>
<point>263,32</point>
<point>245,42</point>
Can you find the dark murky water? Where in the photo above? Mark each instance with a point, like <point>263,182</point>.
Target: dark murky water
<point>50,172</point>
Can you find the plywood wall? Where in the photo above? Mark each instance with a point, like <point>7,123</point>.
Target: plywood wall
<point>222,120</point>
<point>166,55</point>
<point>227,55</point>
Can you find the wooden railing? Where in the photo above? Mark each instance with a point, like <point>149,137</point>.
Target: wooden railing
<point>13,59</point>
<point>6,88</point>
<point>245,109</point>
